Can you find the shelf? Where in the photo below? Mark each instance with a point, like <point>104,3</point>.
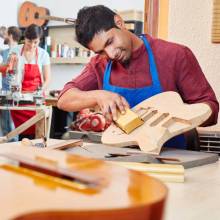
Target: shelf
<point>75,60</point>
<point>65,35</point>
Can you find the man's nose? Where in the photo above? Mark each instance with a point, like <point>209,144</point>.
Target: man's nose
<point>111,52</point>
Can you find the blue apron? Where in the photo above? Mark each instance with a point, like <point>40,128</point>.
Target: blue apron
<point>136,95</point>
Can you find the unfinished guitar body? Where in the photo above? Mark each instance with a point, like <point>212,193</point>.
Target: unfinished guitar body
<point>165,116</point>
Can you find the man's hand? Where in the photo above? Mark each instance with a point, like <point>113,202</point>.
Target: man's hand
<point>110,103</point>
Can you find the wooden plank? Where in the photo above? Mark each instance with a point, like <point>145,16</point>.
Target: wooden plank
<point>155,17</point>
<point>65,144</point>
<point>40,128</point>
<point>153,168</point>
<point>164,172</point>
<point>26,125</point>
<point>151,16</point>
<point>216,22</point>
<point>146,14</point>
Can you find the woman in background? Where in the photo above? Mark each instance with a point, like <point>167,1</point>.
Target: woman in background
<point>33,71</point>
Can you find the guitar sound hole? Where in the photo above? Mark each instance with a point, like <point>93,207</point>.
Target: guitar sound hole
<point>36,15</point>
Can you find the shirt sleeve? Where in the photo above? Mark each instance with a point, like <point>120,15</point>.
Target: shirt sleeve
<point>86,81</point>
<point>45,58</point>
<point>193,85</point>
<point>16,50</point>
<point>2,54</point>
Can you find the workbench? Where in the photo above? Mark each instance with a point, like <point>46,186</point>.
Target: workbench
<point>42,123</point>
<point>196,198</point>
<point>51,101</point>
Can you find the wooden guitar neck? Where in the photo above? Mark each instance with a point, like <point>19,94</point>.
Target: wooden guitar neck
<point>54,18</point>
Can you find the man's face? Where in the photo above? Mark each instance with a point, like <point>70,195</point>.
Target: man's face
<point>6,39</point>
<point>114,43</point>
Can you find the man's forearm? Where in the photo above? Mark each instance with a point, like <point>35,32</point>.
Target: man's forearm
<point>74,100</point>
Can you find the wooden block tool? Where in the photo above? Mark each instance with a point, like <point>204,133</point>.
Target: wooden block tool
<point>128,121</point>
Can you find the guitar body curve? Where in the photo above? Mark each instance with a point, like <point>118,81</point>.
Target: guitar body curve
<point>29,14</point>
<point>120,194</point>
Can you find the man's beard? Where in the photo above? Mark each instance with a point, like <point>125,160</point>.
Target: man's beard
<point>125,62</point>
<point>126,57</point>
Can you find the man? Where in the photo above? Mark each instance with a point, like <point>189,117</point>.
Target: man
<point>129,69</point>
<point>12,39</point>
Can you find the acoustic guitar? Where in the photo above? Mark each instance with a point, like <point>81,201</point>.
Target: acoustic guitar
<point>30,13</point>
<point>46,184</point>
<point>164,116</point>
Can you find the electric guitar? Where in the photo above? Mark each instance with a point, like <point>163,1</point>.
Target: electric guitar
<point>164,116</point>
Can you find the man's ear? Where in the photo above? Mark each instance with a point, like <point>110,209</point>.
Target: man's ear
<point>119,22</point>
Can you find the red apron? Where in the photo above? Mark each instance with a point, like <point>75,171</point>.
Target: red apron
<point>31,82</point>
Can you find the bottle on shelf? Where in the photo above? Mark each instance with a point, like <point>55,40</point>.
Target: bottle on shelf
<point>48,45</point>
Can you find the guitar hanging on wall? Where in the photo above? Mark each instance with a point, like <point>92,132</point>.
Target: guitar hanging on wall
<point>29,13</point>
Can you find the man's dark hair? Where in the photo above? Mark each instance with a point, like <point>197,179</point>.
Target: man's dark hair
<point>92,20</point>
<point>15,32</point>
<point>33,32</point>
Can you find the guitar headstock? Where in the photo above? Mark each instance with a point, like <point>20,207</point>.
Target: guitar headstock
<point>70,20</point>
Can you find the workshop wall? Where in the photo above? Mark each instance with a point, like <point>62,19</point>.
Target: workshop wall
<point>8,12</point>
<point>190,23</point>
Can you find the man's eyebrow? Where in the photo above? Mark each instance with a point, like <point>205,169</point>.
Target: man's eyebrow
<point>106,44</point>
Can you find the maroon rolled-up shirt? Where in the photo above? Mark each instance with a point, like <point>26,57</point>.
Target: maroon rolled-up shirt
<point>177,66</point>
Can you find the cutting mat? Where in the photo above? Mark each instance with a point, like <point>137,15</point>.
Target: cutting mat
<point>187,158</point>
